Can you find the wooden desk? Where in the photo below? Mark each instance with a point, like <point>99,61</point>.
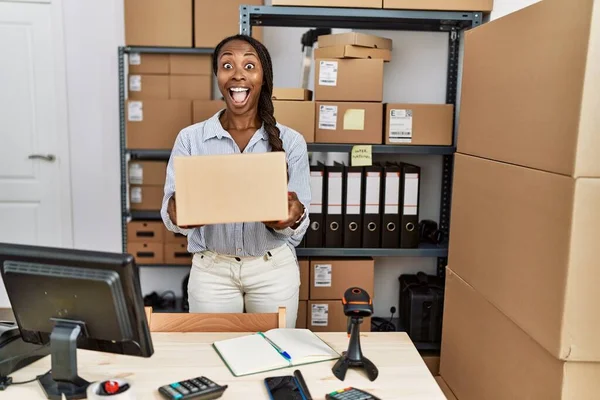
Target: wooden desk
<point>177,356</point>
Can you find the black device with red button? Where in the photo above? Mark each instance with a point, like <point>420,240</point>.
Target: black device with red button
<point>357,305</point>
<point>112,388</point>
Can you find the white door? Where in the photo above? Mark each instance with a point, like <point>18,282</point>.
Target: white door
<point>35,204</point>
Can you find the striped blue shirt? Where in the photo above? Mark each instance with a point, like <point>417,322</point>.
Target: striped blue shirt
<point>240,239</point>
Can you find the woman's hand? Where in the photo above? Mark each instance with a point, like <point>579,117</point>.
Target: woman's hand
<point>172,211</point>
<point>295,212</point>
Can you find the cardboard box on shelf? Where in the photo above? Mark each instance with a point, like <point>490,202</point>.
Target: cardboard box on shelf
<point>146,197</point>
<point>330,278</point>
<point>219,20</point>
<point>147,87</point>
<point>177,254</point>
<point>301,318</point>
<point>205,109</point>
<point>190,87</point>
<point>338,80</point>
<point>348,51</point>
<point>328,316</point>
<point>297,115</point>
<point>355,39</point>
<point>500,360</point>
<point>330,3</point>
<point>154,124</point>
<point>526,240</point>
<point>346,122</point>
<point>419,124</point>
<point>190,64</point>
<point>280,93</point>
<point>304,279</point>
<point>264,184</point>
<point>441,5</point>
<point>145,231</point>
<point>550,122</point>
<point>174,238</point>
<point>146,252</point>
<point>445,388</point>
<point>144,63</point>
<point>147,172</point>
<point>158,23</point>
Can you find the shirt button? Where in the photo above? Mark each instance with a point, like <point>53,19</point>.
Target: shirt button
<point>239,250</point>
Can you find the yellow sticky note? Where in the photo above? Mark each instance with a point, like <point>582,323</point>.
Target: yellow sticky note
<point>362,156</point>
<point>354,120</point>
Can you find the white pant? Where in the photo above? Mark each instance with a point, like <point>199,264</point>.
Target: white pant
<point>229,284</point>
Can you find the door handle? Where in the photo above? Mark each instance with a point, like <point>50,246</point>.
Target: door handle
<point>45,157</point>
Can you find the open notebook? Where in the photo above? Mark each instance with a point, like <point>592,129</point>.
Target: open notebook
<point>252,354</point>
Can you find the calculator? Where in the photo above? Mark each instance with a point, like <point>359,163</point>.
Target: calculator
<point>350,393</point>
<point>200,388</point>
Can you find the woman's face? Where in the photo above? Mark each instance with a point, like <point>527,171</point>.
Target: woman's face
<point>239,76</point>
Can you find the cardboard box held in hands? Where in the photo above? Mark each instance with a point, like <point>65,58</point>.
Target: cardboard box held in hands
<point>231,188</point>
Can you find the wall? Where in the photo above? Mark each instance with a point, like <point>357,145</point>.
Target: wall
<point>94,30</point>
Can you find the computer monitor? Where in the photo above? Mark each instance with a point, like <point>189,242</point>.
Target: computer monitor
<point>75,299</point>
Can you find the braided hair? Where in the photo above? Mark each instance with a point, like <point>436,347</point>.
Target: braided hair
<point>265,104</point>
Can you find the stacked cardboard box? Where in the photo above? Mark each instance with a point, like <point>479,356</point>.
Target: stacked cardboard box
<point>295,109</point>
<point>329,279</point>
<point>520,317</point>
<point>161,89</point>
<point>146,184</point>
<point>349,88</point>
<point>419,124</point>
<point>150,243</point>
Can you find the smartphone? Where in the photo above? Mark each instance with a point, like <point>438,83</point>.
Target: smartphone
<point>284,388</point>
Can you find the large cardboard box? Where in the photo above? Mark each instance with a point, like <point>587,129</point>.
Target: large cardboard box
<point>146,252</point>
<point>355,39</point>
<point>486,356</point>
<point>348,51</point>
<point>330,278</point>
<point>301,318</point>
<point>147,172</point>
<point>190,87</point>
<point>158,23</point>
<point>527,240</point>
<point>348,80</point>
<point>144,63</point>
<point>304,279</point>
<point>145,231</point>
<point>190,64</point>
<point>263,184</point>
<point>146,197</point>
<point>347,122</point>
<point>530,88</point>
<point>154,124</point>
<point>297,115</point>
<point>206,109</point>
<point>444,5</point>
<point>419,124</point>
<point>148,87</point>
<point>328,316</point>
<point>330,3</point>
<point>219,20</point>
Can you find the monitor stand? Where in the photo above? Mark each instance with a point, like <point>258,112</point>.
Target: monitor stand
<point>63,378</point>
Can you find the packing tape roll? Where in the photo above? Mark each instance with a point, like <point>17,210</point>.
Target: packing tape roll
<point>95,390</point>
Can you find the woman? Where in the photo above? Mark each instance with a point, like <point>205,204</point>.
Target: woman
<point>244,266</point>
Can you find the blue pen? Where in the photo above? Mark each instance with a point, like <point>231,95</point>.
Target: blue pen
<point>283,353</point>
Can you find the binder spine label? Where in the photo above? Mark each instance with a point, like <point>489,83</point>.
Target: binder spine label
<point>372,192</point>
<point>392,188</point>
<point>136,174</point>
<point>319,314</point>
<point>353,193</point>
<point>400,126</point>
<point>334,193</point>
<point>316,188</point>
<point>411,194</point>
<point>323,275</point>
<point>328,117</point>
<point>328,71</point>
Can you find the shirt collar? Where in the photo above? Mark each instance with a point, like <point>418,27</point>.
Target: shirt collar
<point>213,128</point>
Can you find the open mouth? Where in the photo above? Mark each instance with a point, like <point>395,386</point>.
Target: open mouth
<point>239,95</point>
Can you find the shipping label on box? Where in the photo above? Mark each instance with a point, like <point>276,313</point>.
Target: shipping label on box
<point>328,73</point>
<point>319,314</point>
<point>400,126</point>
<point>322,275</point>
